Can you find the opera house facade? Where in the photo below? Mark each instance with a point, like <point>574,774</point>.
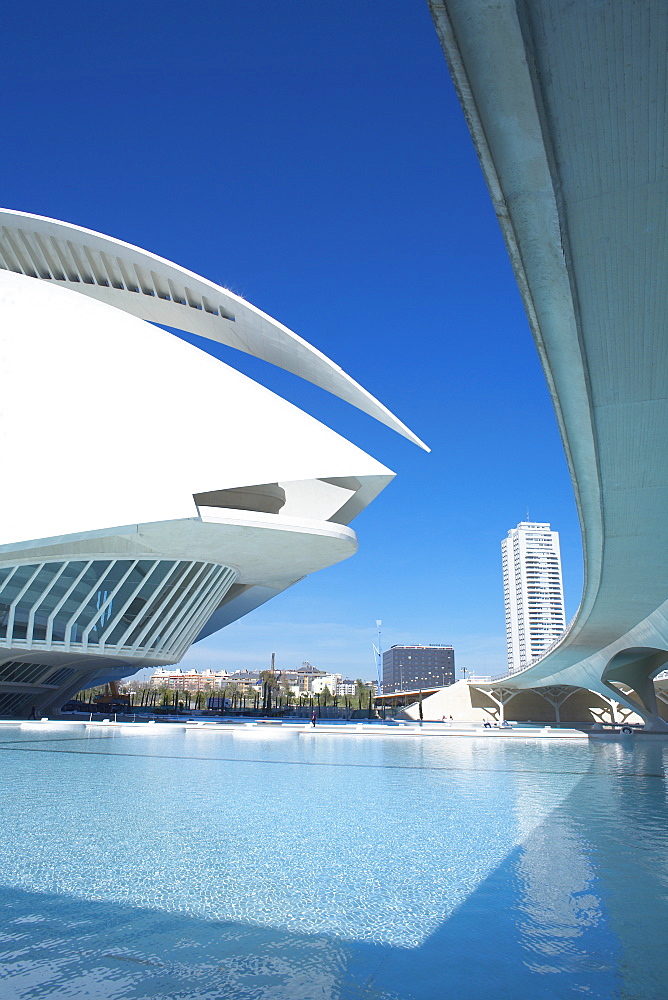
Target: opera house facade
<point>152,494</point>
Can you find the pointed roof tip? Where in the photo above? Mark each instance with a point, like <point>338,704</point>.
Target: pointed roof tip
<point>416,440</point>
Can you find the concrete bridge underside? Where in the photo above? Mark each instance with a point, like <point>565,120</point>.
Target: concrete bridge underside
<point>566,103</point>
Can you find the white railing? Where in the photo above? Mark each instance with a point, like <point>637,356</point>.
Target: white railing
<point>537,659</point>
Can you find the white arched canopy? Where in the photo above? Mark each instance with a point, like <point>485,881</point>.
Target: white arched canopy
<point>154,289</point>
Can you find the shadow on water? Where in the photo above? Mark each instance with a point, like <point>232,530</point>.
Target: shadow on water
<point>580,908</point>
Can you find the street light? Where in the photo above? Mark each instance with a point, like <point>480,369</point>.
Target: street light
<point>379,663</point>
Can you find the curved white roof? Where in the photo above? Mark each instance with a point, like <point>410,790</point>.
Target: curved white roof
<point>154,289</point>
<point>125,426</point>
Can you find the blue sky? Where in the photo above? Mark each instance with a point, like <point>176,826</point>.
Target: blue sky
<point>314,159</point>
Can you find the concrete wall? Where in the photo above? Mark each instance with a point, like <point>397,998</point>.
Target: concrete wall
<point>467,703</point>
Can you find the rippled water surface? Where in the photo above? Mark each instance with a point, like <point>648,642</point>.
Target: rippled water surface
<point>251,865</point>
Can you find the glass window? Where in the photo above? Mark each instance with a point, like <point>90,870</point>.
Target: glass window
<point>143,606</point>
<point>174,593</point>
<point>117,606</point>
<point>53,598</point>
<point>206,587</point>
<point>35,591</point>
<point>14,704</point>
<point>16,672</point>
<point>98,598</point>
<point>10,592</point>
<point>63,674</point>
<point>75,599</point>
<point>4,575</point>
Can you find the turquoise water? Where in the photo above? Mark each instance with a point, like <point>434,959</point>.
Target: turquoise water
<point>277,866</point>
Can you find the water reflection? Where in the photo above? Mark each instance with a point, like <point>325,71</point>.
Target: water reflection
<point>202,865</point>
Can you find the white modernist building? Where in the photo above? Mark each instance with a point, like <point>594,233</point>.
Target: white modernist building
<point>152,494</point>
<point>568,107</point>
<point>533,592</point>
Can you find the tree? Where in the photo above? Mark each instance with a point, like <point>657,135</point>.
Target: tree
<point>287,692</point>
<point>270,684</point>
<point>229,694</point>
<point>360,691</point>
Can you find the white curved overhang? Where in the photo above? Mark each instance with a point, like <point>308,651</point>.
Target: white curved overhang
<point>267,552</point>
<point>94,437</point>
<point>567,106</point>
<point>263,549</point>
<point>154,289</point>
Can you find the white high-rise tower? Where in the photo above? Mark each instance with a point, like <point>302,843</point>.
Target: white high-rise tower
<point>533,591</point>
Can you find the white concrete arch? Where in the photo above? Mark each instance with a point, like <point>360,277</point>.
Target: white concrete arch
<point>154,289</point>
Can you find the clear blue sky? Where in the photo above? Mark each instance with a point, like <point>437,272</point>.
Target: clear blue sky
<point>314,159</point>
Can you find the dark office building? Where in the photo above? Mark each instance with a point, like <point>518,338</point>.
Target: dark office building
<point>408,668</point>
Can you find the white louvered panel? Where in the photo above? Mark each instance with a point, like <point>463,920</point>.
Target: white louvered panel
<point>61,602</point>
<point>96,266</point>
<point>12,610</point>
<point>189,604</point>
<point>112,270</point>
<point>166,592</point>
<point>82,268</point>
<point>107,603</point>
<point>50,258</point>
<point>178,292</point>
<point>37,603</point>
<point>35,255</point>
<point>219,587</point>
<point>161,286</point>
<point>193,299</point>
<point>209,306</point>
<point>124,607</point>
<point>8,261</point>
<point>19,254</point>
<point>177,571</point>
<point>167,627</point>
<point>65,258</point>
<point>145,283</point>
<point>129,277</point>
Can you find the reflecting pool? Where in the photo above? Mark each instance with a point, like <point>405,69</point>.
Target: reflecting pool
<point>272,865</point>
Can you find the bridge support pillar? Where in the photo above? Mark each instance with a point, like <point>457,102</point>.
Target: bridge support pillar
<point>556,695</point>
<point>636,669</point>
<point>500,696</point>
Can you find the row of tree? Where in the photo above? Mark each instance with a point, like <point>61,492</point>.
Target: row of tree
<point>275,695</point>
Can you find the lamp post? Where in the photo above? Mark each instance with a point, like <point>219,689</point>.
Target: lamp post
<point>379,662</point>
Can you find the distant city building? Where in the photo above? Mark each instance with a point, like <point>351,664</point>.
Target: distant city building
<point>205,680</point>
<point>245,681</point>
<point>306,680</point>
<point>408,668</point>
<point>330,681</point>
<point>187,680</point>
<point>533,592</point>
